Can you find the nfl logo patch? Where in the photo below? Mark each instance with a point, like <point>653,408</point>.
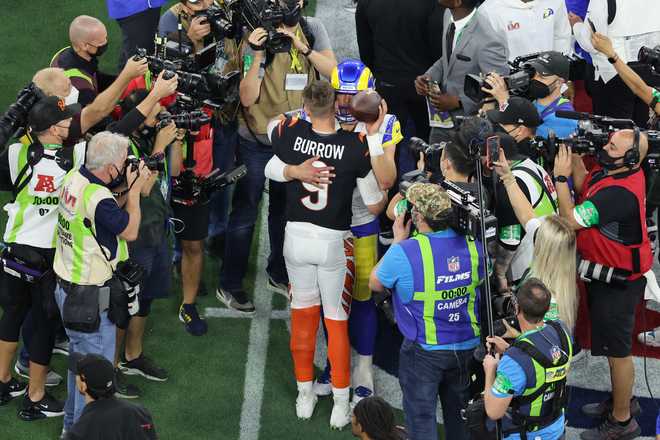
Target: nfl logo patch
<point>453,264</point>
<point>556,354</point>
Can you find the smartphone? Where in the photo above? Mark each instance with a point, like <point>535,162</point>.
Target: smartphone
<point>492,150</point>
<point>434,87</point>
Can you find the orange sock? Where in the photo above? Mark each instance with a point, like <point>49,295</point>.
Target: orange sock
<point>304,325</point>
<point>339,352</point>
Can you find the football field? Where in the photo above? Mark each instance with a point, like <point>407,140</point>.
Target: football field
<point>236,382</point>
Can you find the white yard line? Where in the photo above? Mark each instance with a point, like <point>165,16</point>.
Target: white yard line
<point>255,368</point>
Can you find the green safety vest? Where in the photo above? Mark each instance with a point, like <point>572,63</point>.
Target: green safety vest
<point>73,73</point>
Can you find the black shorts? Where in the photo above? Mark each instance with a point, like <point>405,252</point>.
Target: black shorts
<point>612,313</point>
<point>194,221</point>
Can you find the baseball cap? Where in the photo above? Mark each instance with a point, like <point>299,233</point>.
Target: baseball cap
<point>95,370</point>
<point>552,63</point>
<point>49,111</point>
<point>519,111</point>
<point>430,200</point>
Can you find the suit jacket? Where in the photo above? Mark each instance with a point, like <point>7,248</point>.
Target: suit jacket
<point>479,50</point>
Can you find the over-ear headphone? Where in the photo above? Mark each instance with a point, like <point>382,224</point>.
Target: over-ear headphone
<point>631,158</point>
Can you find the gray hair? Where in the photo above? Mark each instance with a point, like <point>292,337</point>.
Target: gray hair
<point>105,148</point>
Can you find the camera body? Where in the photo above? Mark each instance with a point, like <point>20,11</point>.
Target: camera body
<point>15,118</point>
<point>432,154</point>
<point>189,189</point>
<point>517,81</point>
<point>269,15</point>
<point>650,57</point>
<point>219,20</point>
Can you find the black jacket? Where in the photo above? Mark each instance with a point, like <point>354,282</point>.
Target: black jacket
<point>113,419</point>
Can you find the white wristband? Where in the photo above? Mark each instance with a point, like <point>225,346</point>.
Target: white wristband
<point>375,145</point>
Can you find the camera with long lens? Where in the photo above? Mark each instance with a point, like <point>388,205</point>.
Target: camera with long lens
<point>14,119</point>
<point>192,121</point>
<point>432,153</point>
<point>650,57</point>
<point>503,311</point>
<point>189,189</point>
<point>466,214</point>
<point>154,163</point>
<point>219,20</point>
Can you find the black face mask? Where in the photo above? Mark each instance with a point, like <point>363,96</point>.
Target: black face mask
<point>538,90</point>
<point>292,15</point>
<point>100,50</point>
<point>118,181</point>
<point>607,161</point>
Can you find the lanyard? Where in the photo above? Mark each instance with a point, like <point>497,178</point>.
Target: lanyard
<point>296,65</point>
<point>52,146</point>
<point>551,108</point>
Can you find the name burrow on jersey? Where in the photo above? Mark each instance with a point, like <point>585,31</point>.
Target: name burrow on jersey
<point>313,148</point>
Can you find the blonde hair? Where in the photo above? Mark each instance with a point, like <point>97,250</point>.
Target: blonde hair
<point>554,264</point>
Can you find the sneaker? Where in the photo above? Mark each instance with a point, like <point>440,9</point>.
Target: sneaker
<point>650,338</point>
<point>11,390</point>
<point>236,301</point>
<point>145,367</point>
<point>602,409</point>
<point>52,378</point>
<point>48,406</point>
<point>341,412</point>
<point>281,288</point>
<point>322,385</point>
<point>360,393</point>
<point>195,325</point>
<point>611,430</point>
<point>123,389</point>
<point>305,402</point>
<point>61,347</point>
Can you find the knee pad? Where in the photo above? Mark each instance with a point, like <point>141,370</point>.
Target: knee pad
<point>304,299</point>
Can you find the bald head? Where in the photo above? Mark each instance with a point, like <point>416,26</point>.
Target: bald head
<point>53,82</point>
<point>87,30</point>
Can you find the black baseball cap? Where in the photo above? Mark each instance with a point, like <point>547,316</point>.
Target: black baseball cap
<point>95,370</point>
<point>49,111</point>
<point>552,63</point>
<point>520,111</point>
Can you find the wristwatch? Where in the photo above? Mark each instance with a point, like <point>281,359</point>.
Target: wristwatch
<point>307,52</point>
<point>561,179</point>
<point>613,59</point>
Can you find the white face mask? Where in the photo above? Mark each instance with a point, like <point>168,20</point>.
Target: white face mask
<point>72,97</point>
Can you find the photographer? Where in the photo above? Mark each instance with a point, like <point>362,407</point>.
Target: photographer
<point>551,73</point>
<point>547,251</point>
<point>526,381</point>
<point>90,246</point>
<point>609,218</point>
<point>537,187</point>
<point>161,147</point>
<point>89,41</point>
<point>471,46</point>
<point>520,119</point>
<point>34,174</point>
<point>263,98</point>
<point>434,277</point>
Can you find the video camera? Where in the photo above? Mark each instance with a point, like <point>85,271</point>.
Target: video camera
<point>189,189</point>
<point>465,206</point>
<point>193,120</point>
<point>517,81</point>
<point>15,118</point>
<point>650,57</point>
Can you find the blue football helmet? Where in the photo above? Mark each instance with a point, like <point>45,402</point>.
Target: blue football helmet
<point>349,78</point>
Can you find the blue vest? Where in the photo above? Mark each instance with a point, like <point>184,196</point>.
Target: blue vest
<point>124,8</point>
<point>445,305</point>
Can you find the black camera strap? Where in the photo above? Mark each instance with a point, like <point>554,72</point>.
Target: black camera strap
<point>34,156</point>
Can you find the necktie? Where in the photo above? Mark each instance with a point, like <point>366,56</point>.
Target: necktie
<point>450,40</point>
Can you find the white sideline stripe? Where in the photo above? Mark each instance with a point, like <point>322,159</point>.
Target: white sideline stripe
<point>221,312</point>
<point>255,368</point>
